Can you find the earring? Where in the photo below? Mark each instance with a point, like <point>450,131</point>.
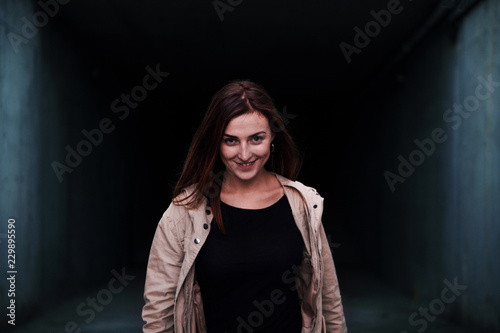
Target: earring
<point>272,147</point>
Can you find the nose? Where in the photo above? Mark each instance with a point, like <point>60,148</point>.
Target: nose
<point>244,154</point>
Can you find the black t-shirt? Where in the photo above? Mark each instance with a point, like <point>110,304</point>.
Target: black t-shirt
<point>247,277</point>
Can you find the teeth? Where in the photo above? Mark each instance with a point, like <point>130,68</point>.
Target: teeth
<point>245,164</point>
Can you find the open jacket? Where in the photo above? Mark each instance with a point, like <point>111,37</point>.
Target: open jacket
<point>173,298</point>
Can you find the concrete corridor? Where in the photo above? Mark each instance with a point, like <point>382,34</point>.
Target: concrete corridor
<point>394,105</point>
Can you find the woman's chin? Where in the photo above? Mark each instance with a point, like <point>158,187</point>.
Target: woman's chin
<point>246,174</point>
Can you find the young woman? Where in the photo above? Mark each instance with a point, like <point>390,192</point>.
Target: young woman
<point>241,248</point>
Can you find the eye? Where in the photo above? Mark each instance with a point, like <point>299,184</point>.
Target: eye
<point>229,141</point>
<point>257,139</point>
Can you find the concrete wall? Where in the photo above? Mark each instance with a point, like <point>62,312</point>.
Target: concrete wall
<point>439,221</point>
<point>70,232</point>
<point>20,160</point>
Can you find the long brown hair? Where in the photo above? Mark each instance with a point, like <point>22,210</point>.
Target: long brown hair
<point>203,165</point>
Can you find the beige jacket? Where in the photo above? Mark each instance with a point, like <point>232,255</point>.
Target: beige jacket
<point>173,298</point>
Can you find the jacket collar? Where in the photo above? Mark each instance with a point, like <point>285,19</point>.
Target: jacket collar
<point>312,205</point>
<point>312,199</point>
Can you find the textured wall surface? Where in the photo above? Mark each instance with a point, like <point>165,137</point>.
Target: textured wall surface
<point>49,94</point>
<point>20,129</point>
<point>439,214</point>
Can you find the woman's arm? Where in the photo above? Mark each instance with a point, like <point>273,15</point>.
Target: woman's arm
<point>165,260</point>
<point>333,311</point>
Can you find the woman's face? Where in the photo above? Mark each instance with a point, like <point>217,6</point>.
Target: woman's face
<point>245,146</point>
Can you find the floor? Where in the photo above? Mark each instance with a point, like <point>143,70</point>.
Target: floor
<point>370,307</point>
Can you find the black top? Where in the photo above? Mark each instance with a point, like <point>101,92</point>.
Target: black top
<point>247,276</point>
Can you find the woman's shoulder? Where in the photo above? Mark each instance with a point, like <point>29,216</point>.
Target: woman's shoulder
<point>181,205</point>
<point>185,193</point>
<point>297,185</point>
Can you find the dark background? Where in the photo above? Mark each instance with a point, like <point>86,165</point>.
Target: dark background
<point>352,119</point>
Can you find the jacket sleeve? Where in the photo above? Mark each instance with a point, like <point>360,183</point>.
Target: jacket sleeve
<point>165,261</point>
<point>333,312</point>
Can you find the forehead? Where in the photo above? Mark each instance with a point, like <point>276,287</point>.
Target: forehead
<point>247,124</point>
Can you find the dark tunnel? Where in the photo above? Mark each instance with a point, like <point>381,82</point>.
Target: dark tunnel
<point>393,104</point>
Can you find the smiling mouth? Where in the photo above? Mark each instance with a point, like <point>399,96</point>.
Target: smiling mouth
<point>246,164</point>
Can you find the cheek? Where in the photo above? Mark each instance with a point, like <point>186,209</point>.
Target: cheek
<point>226,152</point>
<point>262,150</point>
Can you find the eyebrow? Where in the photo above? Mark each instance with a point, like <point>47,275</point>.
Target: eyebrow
<point>233,136</point>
